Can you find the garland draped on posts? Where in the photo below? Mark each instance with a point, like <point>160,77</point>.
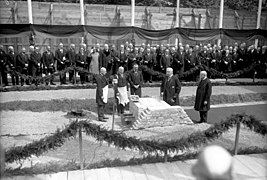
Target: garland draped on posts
<point>213,73</point>
<point>120,140</point>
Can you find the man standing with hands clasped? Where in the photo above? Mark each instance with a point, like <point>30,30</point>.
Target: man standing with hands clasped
<point>170,88</point>
<point>202,102</point>
<point>101,93</point>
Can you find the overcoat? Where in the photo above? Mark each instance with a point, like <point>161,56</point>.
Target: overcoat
<point>101,82</point>
<point>204,91</point>
<point>171,90</point>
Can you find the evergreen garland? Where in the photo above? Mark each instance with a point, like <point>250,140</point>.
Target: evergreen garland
<point>120,140</point>
<point>193,71</point>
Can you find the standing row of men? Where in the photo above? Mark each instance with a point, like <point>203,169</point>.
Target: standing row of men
<point>120,81</point>
<point>159,58</point>
<point>169,90</point>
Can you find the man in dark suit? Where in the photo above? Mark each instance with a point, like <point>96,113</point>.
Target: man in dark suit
<point>136,80</point>
<point>106,59</point>
<point>35,63</point>
<point>22,64</point>
<point>71,59</point>
<point>170,88</point>
<point>60,57</point>
<point>148,60</point>
<point>3,65</point>
<point>81,61</point>
<point>202,101</point>
<point>11,61</point>
<point>48,64</point>
<point>178,61</point>
<point>101,93</point>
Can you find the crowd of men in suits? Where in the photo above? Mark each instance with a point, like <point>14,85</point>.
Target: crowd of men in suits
<point>228,58</point>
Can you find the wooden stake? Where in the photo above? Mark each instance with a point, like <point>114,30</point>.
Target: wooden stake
<point>80,147</point>
<point>165,155</point>
<point>237,137</point>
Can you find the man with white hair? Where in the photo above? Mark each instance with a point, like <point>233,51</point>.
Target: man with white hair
<point>60,57</point>
<point>11,61</point>
<point>121,89</point>
<point>123,57</point>
<point>214,163</point>
<point>22,63</point>
<point>106,59</point>
<point>202,101</point>
<point>101,93</point>
<point>170,88</point>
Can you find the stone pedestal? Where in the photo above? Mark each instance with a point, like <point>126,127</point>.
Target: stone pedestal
<point>152,112</point>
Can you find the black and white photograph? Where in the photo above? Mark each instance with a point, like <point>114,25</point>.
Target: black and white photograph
<point>133,89</point>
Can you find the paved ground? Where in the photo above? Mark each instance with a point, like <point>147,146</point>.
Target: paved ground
<point>90,93</point>
<point>251,166</point>
<point>217,114</point>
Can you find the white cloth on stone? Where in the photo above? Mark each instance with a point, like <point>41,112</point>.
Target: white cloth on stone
<point>105,94</point>
<point>123,96</point>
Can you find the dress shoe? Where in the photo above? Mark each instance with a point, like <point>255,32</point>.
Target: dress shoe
<point>52,83</point>
<point>102,120</point>
<point>105,117</point>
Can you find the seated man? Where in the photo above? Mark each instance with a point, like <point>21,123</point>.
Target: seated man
<point>214,163</point>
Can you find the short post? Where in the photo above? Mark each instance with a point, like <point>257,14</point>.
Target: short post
<point>114,82</point>
<point>80,147</point>
<point>254,75</point>
<point>113,114</point>
<point>165,155</point>
<point>237,137</point>
<point>74,76</point>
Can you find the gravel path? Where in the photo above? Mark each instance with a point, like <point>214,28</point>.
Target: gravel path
<point>90,93</point>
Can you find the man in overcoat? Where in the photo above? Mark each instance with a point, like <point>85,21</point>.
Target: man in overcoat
<point>60,57</point>
<point>136,81</point>
<point>48,64</point>
<point>170,88</point>
<point>22,63</point>
<point>202,102</point>
<point>101,93</point>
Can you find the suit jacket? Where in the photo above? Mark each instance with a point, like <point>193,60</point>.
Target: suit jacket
<point>22,59</point>
<point>81,59</point>
<point>178,62</point>
<point>11,60</point>
<point>101,82</point>
<point>165,61</point>
<point>3,60</point>
<point>135,78</point>
<point>59,58</point>
<point>48,59</point>
<point>203,93</point>
<point>70,56</point>
<point>105,58</point>
<point>148,60</point>
<point>171,89</point>
<point>35,59</point>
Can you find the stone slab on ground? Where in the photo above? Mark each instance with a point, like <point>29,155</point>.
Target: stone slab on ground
<point>153,112</point>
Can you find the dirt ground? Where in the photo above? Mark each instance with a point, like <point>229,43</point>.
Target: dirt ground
<point>25,126</point>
